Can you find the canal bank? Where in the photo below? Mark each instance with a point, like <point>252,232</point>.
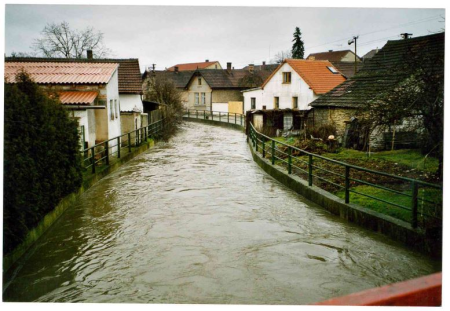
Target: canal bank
<point>196,220</point>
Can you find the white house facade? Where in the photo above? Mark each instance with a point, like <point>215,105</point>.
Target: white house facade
<point>293,85</point>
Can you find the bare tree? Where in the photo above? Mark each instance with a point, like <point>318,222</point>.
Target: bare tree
<point>58,40</point>
<point>23,54</point>
<point>281,56</point>
<point>163,91</point>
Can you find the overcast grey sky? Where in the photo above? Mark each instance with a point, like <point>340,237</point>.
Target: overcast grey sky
<point>241,35</point>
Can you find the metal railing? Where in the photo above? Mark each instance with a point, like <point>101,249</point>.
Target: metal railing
<point>109,150</point>
<point>344,177</point>
<point>219,116</point>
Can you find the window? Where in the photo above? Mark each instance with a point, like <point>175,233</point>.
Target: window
<point>276,102</point>
<point>294,102</point>
<point>334,71</point>
<point>111,109</point>
<point>199,81</point>
<point>215,66</point>
<point>286,77</point>
<point>203,98</point>
<point>116,110</point>
<point>253,103</point>
<point>196,98</point>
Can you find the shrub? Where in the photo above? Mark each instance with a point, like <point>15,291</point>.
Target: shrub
<point>41,158</point>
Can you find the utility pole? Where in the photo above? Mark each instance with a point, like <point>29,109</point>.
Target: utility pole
<point>354,41</point>
<point>406,35</point>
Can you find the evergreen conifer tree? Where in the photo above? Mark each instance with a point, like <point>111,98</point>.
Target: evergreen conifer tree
<point>298,49</point>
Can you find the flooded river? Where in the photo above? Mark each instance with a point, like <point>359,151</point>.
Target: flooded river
<point>195,220</point>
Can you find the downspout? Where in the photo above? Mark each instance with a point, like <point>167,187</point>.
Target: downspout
<point>211,101</point>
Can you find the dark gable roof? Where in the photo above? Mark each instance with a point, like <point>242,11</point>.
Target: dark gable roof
<point>235,78</point>
<point>270,67</point>
<point>335,56</point>
<point>130,81</point>
<point>370,54</point>
<point>381,73</point>
<point>180,78</point>
<point>347,68</point>
<point>216,78</point>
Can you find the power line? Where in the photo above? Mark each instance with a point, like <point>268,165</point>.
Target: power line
<point>423,20</point>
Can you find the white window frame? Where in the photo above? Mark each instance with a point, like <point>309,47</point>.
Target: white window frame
<point>196,99</point>
<point>252,102</point>
<point>203,98</point>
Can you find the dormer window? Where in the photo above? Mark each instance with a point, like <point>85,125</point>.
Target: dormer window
<point>199,81</point>
<point>286,77</point>
<point>334,71</point>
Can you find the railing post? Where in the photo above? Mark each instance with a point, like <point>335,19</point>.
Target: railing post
<point>263,147</point>
<point>228,117</point>
<point>204,114</point>
<point>310,170</point>
<point>289,160</point>
<point>145,134</point>
<point>220,116</point>
<point>347,184</point>
<point>196,114</point>
<point>256,142</point>
<point>235,118</point>
<point>118,147</point>
<point>273,152</point>
<point>107,152</point>
<point>414,204</point>
<point>129,142</point>
<point>93,159</point>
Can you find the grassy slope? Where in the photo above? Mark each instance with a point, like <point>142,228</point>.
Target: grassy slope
<point>411,162</point>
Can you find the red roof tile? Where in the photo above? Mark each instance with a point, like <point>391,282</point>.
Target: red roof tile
<point>315,73</point>
<point>192,66</point>
<point>77,98</point>
<point>62,73</point>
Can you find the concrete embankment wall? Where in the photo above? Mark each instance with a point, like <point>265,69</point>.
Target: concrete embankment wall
<point>33,235</point>
<point>427,242</point>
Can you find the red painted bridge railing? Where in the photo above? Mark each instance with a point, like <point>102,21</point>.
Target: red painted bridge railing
<point>423,291</point>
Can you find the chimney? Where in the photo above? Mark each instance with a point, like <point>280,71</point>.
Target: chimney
<point>228,67</point>
<point>251,68</point>
<point>330,50</point>
<point>264,66</point>
<point>207,60</point>
<point>176,69</point>
<point>89,54</point>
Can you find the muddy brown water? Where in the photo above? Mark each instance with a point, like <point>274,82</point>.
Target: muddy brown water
<point>195,220</point>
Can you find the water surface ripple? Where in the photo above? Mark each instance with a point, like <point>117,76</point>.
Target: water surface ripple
<point>195,220</point>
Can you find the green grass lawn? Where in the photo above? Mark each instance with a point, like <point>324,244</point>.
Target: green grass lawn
<point>433,195</point>
<point>408,157</point>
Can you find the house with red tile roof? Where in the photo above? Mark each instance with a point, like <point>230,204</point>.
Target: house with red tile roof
<point>194,66</point>
<point>293,85</point>
<point>90,91</point>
